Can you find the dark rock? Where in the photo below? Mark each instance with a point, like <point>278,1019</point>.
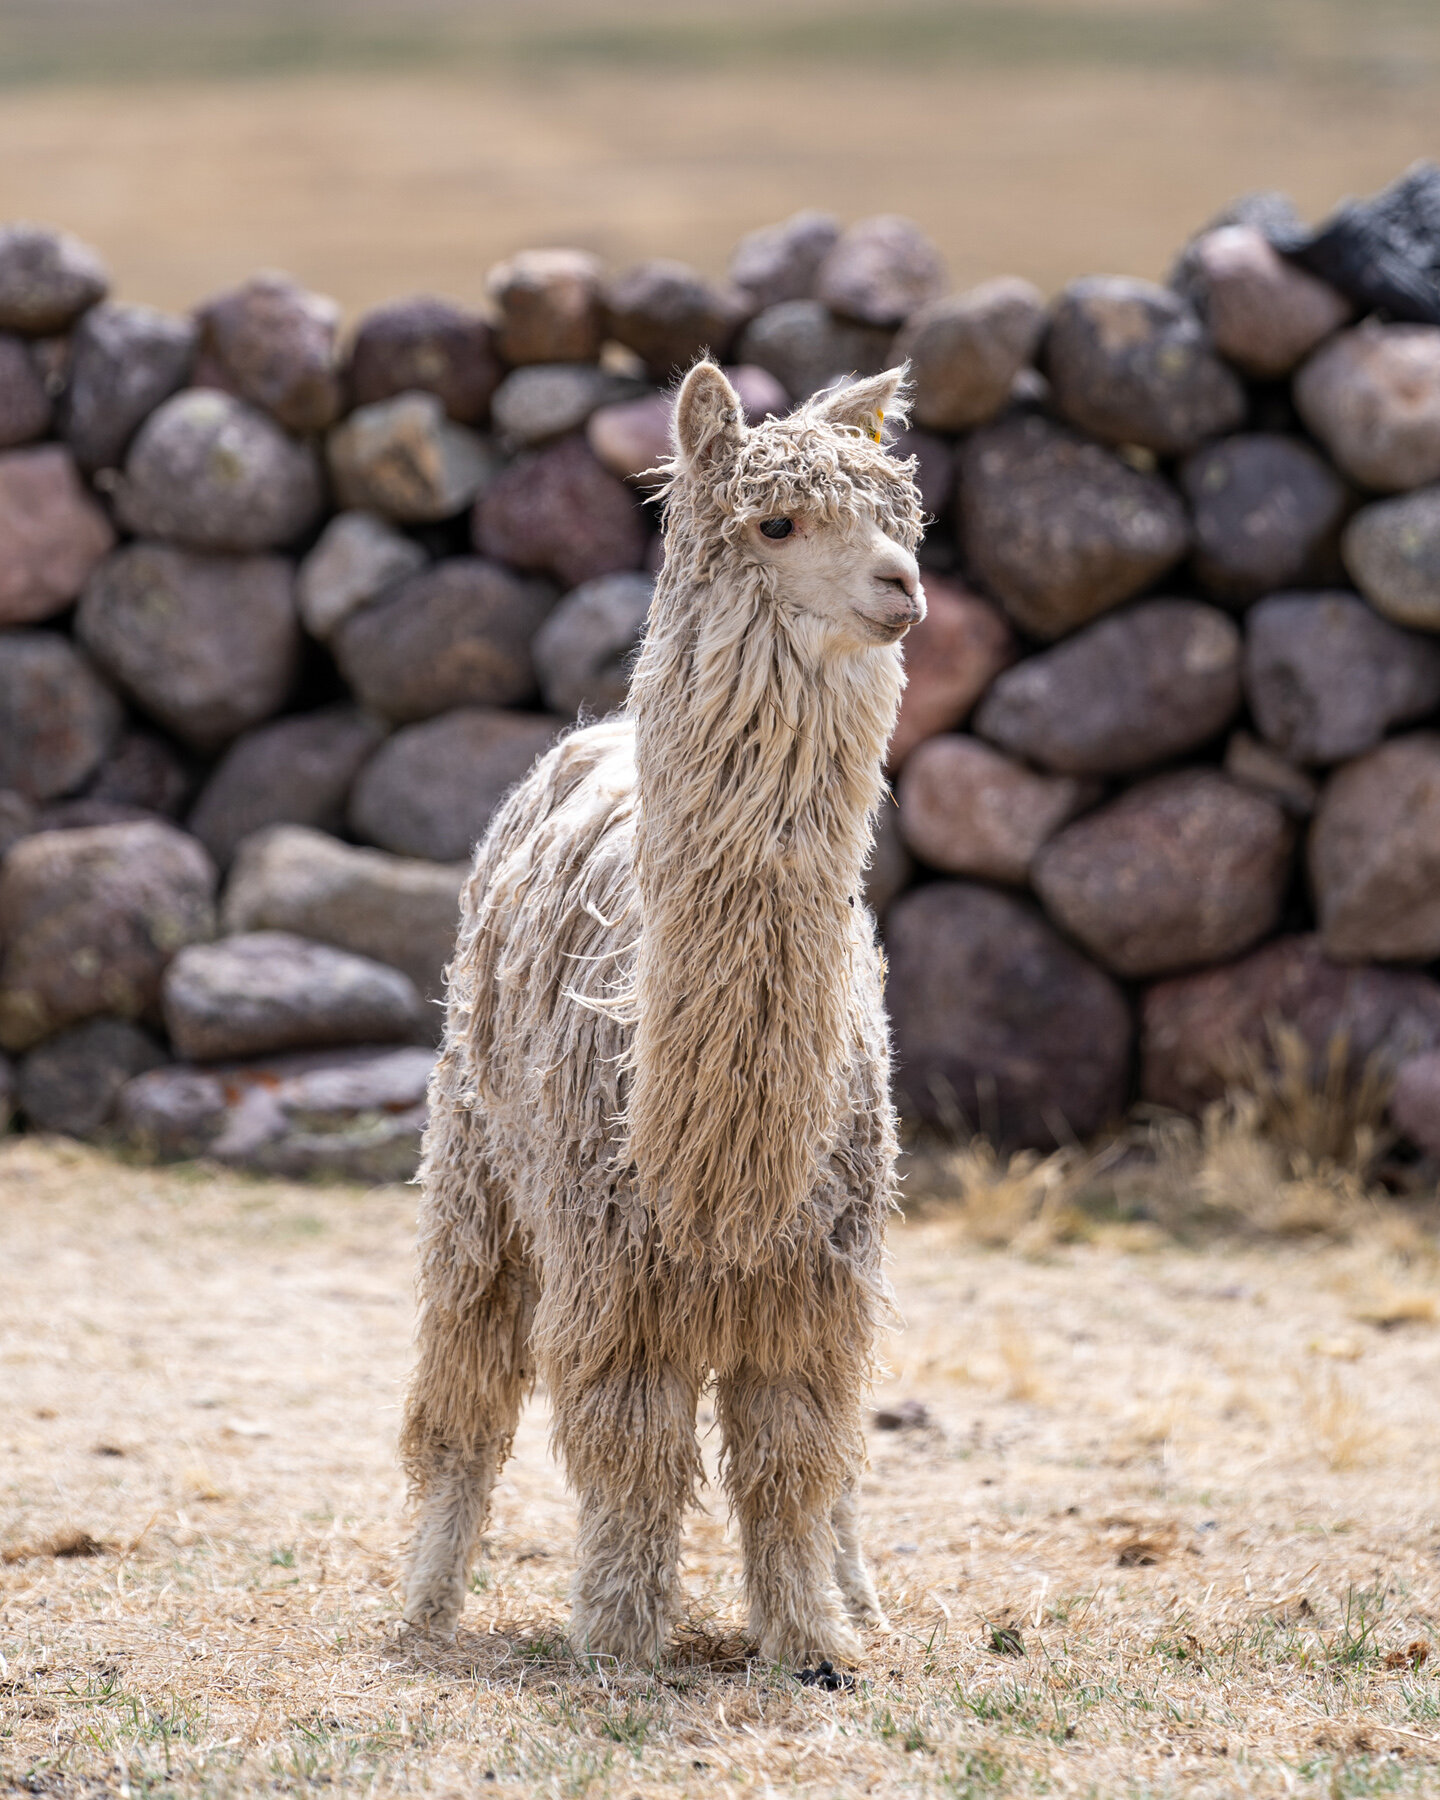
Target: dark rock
<point>1326,677</point>
<point>1184,869</point>
<point>1372,397</point>
<point>543,401</point>
<point>71,1082</point>
<point>1058,529</point>
<point>58,720</point>
<point>143,771</point>
<point>268,991</point>
<point>1375,854</point>
<point>1385,252</point>
<point>667,314</point>
<point>350,1114</point>
<point>630,437</point>
<point>82,812</point>
<point>1260,766</point>
<point>17,819</point>
<point>52,534</point>
<point>558,511</point>
<point>1415,1102</point>
<point>965,351</point>
<point>999,1021</point>
<point>405,459</point>
<point>781,262</point>
<point>934,468</point>
<point>891,868</point>
<point>1130,363</point>
<point>124,361</point>
<point>430,790</point>
<point>880,271</point>
<point>1124,694</point>
<point>1262,312</point>
<point>549,307</point>
<point>1206,1032</point>
<point>7,1092</point>
<point>951,657</point>
<point>89,920</point>
<point>1267,513</point>
<point>211,473</point>
<point>584,650</point>
<point>805,347</point>
<point>297,771</point>
<point>968,810</point>
<point>398,910</point>
<point>47,279</point>
<point>273,343</point>
<point>429,346</point>
<point>1392,549</point>
<point>24,404</point>
<point>208,645</point>
<point>357,557</point>
<point>456,634</point>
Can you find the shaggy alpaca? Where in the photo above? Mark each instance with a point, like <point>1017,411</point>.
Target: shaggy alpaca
<point>661,1148</point>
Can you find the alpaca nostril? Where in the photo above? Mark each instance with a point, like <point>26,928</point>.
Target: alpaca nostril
<point>903,584</point>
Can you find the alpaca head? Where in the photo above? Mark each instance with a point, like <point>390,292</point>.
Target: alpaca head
<point>808,512</point>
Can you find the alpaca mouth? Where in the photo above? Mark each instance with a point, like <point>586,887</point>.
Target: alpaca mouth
<point>890,631</point>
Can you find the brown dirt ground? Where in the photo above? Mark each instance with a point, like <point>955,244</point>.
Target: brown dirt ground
<point>1198,1486</point>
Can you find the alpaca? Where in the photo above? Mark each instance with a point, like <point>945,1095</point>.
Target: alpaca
<point>661,1147</point>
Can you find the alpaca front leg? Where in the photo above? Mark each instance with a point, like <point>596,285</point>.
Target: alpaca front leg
<point>852,1577</point>
<point>454,1499</point>
<point>630,1450</point>
<point>788,1457</point>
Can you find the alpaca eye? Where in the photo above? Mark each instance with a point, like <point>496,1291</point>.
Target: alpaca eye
<point>777,528</point>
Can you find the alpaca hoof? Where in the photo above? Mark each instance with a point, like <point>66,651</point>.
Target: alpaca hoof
<point>867,1617</point>
<point>792,1646</point>
<point>432,1615</point>
<point>634,1642</point>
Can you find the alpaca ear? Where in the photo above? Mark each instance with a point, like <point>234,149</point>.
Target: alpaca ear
<point>866,404</point>
<point>708,422</point>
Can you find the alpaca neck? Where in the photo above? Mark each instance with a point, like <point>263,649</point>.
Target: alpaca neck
<point>759,770</point>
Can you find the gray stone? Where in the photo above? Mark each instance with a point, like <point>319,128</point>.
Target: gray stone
<point>965,351</point>
<point>1372,397</point>
<point>1127,692</point>
<point>805,347</point>
<point>17,819</point>
<point>781,262</point>
<point>71,1082</point>
<point>398,910</point>
<point>456,634</point>
<point>1267,512</point>
<point>7,1092</point>
<point>273,343</point>
<point>24,404</point>
<point>951,657</point>
<point>174,1111</point>
<point>1392,549</point>
<point>208,645</point>
<point>1265,314</point>
<point>209,472</point>
<point>82,812</point>
<point>880,271</point>
<point>1184,869</point>
<point>405,459</point>
<point>57,718</point>
<point>89,920</point>
<point>934,468</point>
<point>1375,854</point>
<point>1415,1102</point>
<point>557,511</point>
<point>1326,678</point>
<point>667,314</point>
<point>549,307</point>
<point>143,771</point>
<point>429,346</point>
<point>430,790</point>
<point>584,650</point>
<point>357,557</point>
<point>631,437</point>
<point>1130,363</point>
<point>47,279</point>
<point>124,361</point>
<point>968,810</point>
<point>999,1023</point>
<point>1260,766</point>
<point>52,534</point>
<point>1059,529</point>
<point>542,401</point>
<point>267,991</point>
<point>296,771</point>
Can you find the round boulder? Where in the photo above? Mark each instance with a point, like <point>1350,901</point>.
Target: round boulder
<point>879,271</point>
<point>630,437</point>
<point>584,650</point>
<point>542,401</point>
<point>208,645</point>
<point>144,771</point>
<point>273,343</point>
<point>1372,397</point>
<point>999,1023</point>
<point>71,1082</point>
<point>1060,529</point>
<point>358,555</point>
<point>965,351</point>
<point>58,720</point>
<point>951,657</point>
<point>428,346</point>
<point>549,307</point>
<point>52,534</point>
<point>47,279</point>
<point>559,512</point>
<point>1267,512</point>
<point>780,262</point>
<point>667,314</point>
<point>1265,314</point>
<point>968,810</point>
<point>405,459</point>
<point>124,361</point>
<point>1392,549</point>
<point>24,403</point>
<point>1184,869</point>
<point>211,473</point>
<point>1415,1102</point>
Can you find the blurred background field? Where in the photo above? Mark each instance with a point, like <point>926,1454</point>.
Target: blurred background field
<point>377,147</point>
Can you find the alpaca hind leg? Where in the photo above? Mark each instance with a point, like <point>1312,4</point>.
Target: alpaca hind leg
<point>628,1440</point>
<point>788,1456</point>
<point>852,1577</point>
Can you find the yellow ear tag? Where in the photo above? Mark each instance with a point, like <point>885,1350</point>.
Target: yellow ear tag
<point>875,435</point>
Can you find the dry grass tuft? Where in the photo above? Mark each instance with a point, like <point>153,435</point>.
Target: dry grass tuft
<point>62,1545</point>
<point>1338,1420</point>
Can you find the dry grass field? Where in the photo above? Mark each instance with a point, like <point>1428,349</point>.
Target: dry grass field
<point>1171,1524</point>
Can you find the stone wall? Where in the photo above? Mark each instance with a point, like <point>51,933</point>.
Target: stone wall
<point>286,610</point>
